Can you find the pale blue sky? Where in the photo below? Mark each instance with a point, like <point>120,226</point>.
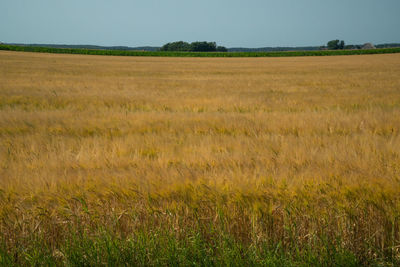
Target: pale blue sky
<point>232,23</point>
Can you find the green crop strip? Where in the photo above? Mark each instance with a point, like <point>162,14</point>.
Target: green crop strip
<point>198,54</point>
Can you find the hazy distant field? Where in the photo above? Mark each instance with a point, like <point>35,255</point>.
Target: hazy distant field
<point>149,161</point>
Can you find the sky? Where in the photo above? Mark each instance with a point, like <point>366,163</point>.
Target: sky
<point>231,23</point>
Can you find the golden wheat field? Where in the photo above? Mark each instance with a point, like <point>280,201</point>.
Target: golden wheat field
<point>300,152</point>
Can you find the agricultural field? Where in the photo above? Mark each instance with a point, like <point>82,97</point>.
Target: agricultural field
<point>199,161</point>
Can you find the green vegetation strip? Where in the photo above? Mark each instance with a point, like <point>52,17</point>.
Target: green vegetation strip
<point>198,54</point>
<point>161,248</point>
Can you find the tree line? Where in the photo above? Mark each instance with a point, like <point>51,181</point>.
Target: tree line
<point>324,52</point>
<point>336,44</point>
<point>193,47</point>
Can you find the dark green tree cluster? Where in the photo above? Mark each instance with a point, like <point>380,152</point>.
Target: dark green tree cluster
<point>353,46</point>
<point>336,44</point>
<point>176,46</point>
<point>193,47</point>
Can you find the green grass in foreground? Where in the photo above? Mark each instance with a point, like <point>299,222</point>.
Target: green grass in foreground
<point>161,248</point>
<point>197,54</point>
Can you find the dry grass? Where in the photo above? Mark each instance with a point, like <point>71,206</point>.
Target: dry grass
<point>290,151</point>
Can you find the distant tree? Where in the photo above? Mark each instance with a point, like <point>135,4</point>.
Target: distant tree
<point>193,47</point>
<point>176,46</point>
<point>336,44</point>
<point>203,47</point>
<point>222,49</point>
<point>341,45</point>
